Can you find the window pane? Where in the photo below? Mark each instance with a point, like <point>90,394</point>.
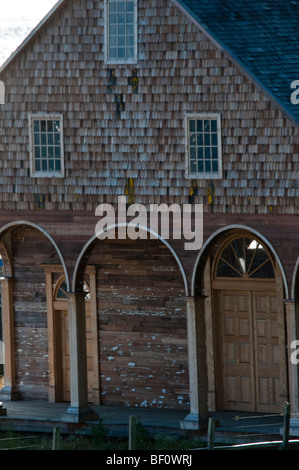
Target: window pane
<point>193,152</point>
<point>121,6</point>
<point>199,126</point>
<point>207,126</point>
<point>208,166</point>
<point>192,125</point>
<point>130,6</point>
<point>200,153</point>
<point>214,125</point>
<point>200,166</point>
<point>214,152</point>
<point>215,166</point>
<point>112,30</point>
<point>199,139</point>
<point>121,18</point>
<point>57,139</point>
<point>121,42</point>
<point>130,43</point>
<point>112,7</point>
<point>207,139</point>
<point>121,30</point>
<point>193,166</point>
<point>130,18</point>
<point>214,139</point>
<point>44,165</point>
<point>112,18</point>
<point>47,135</point>
<point>203,138</point>
<point>192,139</point>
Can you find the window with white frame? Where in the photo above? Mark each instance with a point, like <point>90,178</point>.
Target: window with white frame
<point>204,156</point>
<point>121,31</point>
<point>46,145</point>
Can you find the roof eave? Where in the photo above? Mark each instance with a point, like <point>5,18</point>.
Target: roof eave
<point>32,35</point>
<point>235,60</point>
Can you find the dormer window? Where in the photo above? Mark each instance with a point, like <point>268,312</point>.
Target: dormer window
<point>121,31</point>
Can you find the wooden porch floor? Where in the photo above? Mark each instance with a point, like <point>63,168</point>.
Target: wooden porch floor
<point>37,416</point>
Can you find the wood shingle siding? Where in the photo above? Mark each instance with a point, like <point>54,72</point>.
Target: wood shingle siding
<point>179,71</point>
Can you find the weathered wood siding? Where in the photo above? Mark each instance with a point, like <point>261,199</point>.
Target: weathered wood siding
<point>142,325</point>
<point>30,250</point>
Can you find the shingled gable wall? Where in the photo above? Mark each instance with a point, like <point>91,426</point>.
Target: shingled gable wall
<point>179,71</point>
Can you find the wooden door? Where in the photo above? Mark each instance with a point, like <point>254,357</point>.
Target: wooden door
<point>237,351</point>
<point>269,351</point>
<point>252,351</point>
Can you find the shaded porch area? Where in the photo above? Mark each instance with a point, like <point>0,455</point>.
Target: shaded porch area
<point>37,416</point>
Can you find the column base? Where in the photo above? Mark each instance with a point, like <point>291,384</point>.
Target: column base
<point>294,427</point>
<point>195,422</point>
<point>8,394</point>
<point>76,414</point>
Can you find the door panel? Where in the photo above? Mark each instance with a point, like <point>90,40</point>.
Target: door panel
<point>252,349</point>
<point>267,351</point>
<point>237,354</point>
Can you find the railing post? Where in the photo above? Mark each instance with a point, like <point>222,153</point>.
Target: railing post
<point>211,432</point>
<point>132,433</point>
<point>286,426</point>
<point>56,439</point>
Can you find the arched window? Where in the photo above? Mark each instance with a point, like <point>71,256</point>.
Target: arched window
<point>245,258</point>
<point>61,291</point>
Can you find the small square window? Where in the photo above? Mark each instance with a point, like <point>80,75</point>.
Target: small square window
<point>121,31</point>
<point>46,146</point>
<point>203,152</point>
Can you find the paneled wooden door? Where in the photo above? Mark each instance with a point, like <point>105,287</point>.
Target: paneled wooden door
<point>251,351</point>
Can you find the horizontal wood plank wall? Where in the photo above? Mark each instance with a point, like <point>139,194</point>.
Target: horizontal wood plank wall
<point>142,325</point>
<point>30,250</point>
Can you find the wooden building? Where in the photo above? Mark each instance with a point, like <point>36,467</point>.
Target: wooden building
<point>173,102</point>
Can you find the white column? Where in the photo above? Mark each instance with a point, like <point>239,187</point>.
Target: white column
<point>198,416</point>
<point>79,409</point>
<point>292,311</point>
<point>8,392</point>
